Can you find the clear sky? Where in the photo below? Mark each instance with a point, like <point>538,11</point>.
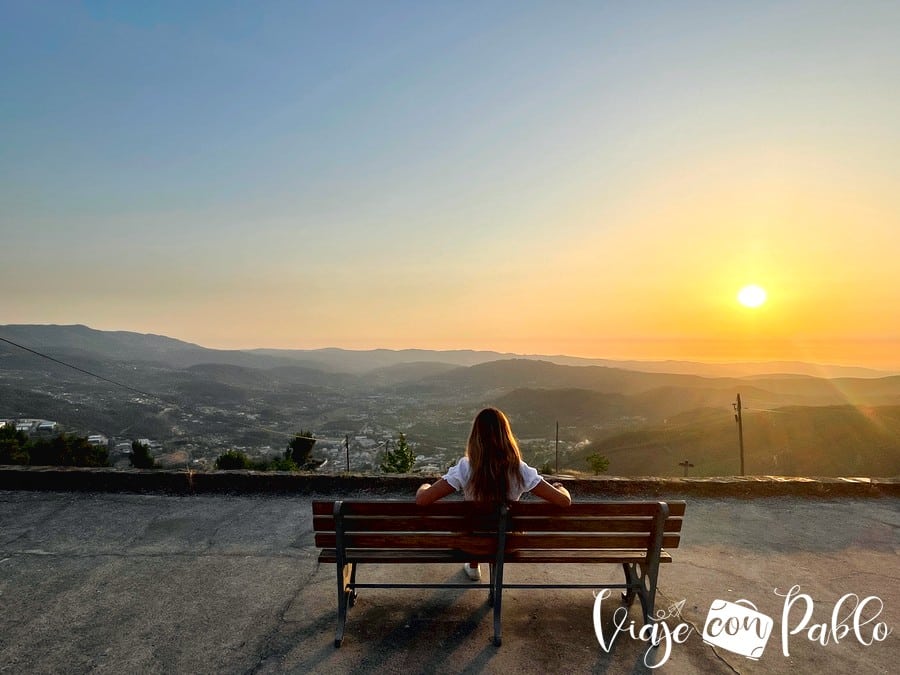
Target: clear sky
<point>585,178</point>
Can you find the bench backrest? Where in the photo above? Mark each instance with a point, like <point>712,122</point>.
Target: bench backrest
<point>472,526</point>
<point>594,525</point>
<point>405,525</point>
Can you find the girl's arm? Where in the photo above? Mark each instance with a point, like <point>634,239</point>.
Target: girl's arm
<point>426,494</point>
<point>555,494</point>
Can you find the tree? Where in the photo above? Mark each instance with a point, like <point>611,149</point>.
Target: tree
<point>140,456</point>
<point>50,452</point>
<point>400,459</point>
<point>87,454</point>
<point>12,445</point>
<point>232,459</point>
<point>300,447</point>
<point>598,463</point>
<point>64,450</point>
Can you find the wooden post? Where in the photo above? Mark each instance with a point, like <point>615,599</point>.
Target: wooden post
<point>740,422</point>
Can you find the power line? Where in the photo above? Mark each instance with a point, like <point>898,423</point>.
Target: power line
<point>88,372</point>
<point>168,401</point>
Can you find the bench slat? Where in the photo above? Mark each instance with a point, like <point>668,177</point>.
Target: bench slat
<point>459,507</point>
<point>611,508</point>
<point>582,556</point>
<point>586,524</point>
<point>484,523</point>
<point>405,507</point>
<point>456,540</point>
<point>329,555</point>
<point>411,556</point>
<point>515,540</point>
<point>471,523</point>
<point>410,540</point>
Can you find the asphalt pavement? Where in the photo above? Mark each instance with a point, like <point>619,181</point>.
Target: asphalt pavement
<point>153,583</point>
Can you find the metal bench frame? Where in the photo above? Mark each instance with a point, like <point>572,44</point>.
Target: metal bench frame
<point>499,537</point>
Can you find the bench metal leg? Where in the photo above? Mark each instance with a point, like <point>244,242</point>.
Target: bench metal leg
<point>497,596</point>
<point>491,590</point>
<point>641,577</point>
<point>346,576</point>
<point>497,571</point>
<point>639,585</point>
<point>633,580</point>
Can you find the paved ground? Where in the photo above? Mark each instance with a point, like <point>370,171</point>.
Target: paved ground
<point>125,583</point>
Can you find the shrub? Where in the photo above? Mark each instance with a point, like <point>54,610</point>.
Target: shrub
<point>300,447</point>
<point>232,459</point>
<point>598,463</point>
<point>400,459</point>
<point>283,465</point>
<point>140,456</point>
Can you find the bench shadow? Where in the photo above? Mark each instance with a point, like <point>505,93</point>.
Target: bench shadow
<point>432,624</point>
<point>433,629</point>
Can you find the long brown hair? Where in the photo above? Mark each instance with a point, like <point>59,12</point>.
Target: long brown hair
<point>494,457</point>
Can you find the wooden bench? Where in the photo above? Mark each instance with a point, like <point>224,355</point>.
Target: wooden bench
<point>630,533</point>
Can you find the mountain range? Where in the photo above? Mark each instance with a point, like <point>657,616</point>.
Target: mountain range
<point>82,341</point>
<point>124,383</point>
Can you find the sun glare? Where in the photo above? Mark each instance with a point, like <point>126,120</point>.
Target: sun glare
<point>752,296</point>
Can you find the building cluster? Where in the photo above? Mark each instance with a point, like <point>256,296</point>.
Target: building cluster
<point>118,448</point>
<point>32,427</point>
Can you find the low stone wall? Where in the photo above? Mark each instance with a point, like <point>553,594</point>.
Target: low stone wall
<point>73,479</point>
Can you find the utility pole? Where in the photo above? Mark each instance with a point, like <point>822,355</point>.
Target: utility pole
<point>347,446</point>
<point>557,447</point>
<point>740,422</point>
<point>687,465</point>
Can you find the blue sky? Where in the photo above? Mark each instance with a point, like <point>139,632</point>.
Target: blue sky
<point>591,178</point>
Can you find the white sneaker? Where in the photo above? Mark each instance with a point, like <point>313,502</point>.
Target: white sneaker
<point>474,573</point>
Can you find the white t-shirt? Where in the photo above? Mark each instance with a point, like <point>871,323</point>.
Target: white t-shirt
<point>459,474</point>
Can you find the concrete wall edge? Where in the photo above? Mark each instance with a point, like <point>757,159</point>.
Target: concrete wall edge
<point>76,479</point>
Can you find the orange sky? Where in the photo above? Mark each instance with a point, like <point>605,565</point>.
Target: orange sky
<point>589,180</point>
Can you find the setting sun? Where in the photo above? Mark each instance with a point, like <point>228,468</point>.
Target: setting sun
<point>752,296</point>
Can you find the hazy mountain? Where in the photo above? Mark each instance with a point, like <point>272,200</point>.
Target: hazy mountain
<point>405,372</point>
<point>519,373</point>
<point>535,412</point>
<point>208,399</point>
<point>742,370</point>
<point>795,441</point>
<point>77,341</point>
<point>363,361</point>
<point>142,359</point>
<point>66,342</point>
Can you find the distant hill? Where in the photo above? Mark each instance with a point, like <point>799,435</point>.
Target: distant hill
<point>84,419</point>
<point>78,341</point>
<point>364,361</point>
<point>794,441</point>
<point>503,376</point>
<point>519,373</point>
<point>646,422</point>
<point>405,372</point>
<point>535,412</point>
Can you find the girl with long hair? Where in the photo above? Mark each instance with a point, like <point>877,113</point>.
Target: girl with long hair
<point>492,470</point>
